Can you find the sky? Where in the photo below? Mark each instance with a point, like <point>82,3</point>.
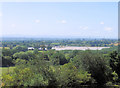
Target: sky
<point>60,19</point>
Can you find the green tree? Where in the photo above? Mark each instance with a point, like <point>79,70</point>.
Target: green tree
<point>19,49</point>
<point>30,73</point>
<point>6,62</point>
<point>68,76</point>
<point>35,51</point>
<point>58,58</point>
<point>96,65</point>
<point>24,55</point>
<point>115,62</point>
<point>49,47</point>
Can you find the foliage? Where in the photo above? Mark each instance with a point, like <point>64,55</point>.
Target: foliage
<point>67,68</point>
<point>69,76</point>
<point>29,75</point>
<point>58,59</point>
<point>96,65</point>
<point>24,55</point>
<point>6,62</point>
<point>115,62</point>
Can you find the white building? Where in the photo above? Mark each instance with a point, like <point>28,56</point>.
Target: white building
<point>45,48</point>
<point>40,49</point>
<point>30,48</point>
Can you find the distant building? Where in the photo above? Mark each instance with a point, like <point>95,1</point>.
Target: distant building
<point>45,48</point>
<point>40,49</point>
<point>30,48</point>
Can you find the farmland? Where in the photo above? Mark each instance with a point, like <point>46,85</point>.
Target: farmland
<point>78,48</point>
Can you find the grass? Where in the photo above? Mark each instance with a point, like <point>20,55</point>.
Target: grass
<point>5,47</point>
<point>40,51</point>
<point>5,70</point>
<point>55,43</point>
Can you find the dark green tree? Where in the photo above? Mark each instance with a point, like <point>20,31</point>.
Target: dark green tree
<point>115,62</point>
<point>96,65</point>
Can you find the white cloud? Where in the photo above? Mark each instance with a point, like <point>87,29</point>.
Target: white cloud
<point>84,27</point>
<point>63,21</point>
<point>102,22</point>
<point>13,25</point>
<point>108,28</point>
<point>37,21</point>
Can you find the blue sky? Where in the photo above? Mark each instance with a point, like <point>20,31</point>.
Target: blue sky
<point>62,19</point>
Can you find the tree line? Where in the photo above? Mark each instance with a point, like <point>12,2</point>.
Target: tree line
<point>61,68</point>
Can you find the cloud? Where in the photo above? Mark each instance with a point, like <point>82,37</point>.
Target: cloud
<point>37,21</point>
<point>108,28</point>
<point>13,25</point>
<point>102,22</point>
<point>84,27</point>
<point>63,21</point>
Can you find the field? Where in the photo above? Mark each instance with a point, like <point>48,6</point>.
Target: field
<point>5,70</point>
<point>78,48</point>
<point>5,47</point>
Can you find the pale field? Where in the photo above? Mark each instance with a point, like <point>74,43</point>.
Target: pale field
<point>78,48</point>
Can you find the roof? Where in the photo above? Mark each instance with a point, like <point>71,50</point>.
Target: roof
<point>30,47</point>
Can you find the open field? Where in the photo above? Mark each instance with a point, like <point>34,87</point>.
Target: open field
<point>5,47</point>
<point>78,48</point>
<point>5,70</point>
